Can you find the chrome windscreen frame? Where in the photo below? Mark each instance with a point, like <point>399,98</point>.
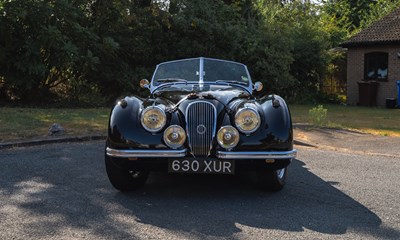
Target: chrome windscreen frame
<point>201,82</point>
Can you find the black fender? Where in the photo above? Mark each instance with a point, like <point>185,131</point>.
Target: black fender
<point>275,132</point>
<point>125,129</point>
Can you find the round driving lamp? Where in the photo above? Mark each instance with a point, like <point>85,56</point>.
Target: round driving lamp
<point>174,136</point>
<point>153,119</point>
<point>228,137</point>
<point>247,120</point>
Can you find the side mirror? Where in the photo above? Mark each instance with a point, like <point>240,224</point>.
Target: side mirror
<point>144,83</point>
<point>258,86</point>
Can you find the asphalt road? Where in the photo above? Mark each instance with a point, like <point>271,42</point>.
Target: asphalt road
<point>61,191</point>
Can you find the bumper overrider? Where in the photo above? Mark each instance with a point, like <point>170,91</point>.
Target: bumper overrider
<point>276,155</point>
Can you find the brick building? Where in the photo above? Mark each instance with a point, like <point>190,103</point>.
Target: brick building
<point>373,62</point>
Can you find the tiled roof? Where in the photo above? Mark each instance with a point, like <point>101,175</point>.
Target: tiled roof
<point>383,31</point>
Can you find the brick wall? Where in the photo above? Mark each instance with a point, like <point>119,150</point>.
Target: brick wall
<point>355,73</point>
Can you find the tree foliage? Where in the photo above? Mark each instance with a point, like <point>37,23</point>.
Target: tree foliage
<point>344,18</point>
<point>92,51</point>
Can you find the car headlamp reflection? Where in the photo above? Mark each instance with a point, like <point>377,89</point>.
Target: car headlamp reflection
<point>174,136</point>
<point>228,137</point>
<point>153,119</point>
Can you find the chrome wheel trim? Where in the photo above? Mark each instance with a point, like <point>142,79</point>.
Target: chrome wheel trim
<point>280,173</point>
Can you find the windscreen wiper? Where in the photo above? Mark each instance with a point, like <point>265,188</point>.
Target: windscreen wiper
<point>165,80</point>
<point>232,81</point>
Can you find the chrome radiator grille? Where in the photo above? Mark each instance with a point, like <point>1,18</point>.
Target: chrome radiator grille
<point>201,126</point>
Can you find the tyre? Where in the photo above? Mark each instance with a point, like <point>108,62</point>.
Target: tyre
<point>124,179</point>
<point>272,180</point>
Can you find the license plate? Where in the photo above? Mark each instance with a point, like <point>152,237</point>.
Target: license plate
<point>201,166</point>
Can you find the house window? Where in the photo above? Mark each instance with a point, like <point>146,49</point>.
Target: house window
<point>376,66</point>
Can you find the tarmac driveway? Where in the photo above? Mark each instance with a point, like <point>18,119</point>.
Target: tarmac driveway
<point>61,191</point>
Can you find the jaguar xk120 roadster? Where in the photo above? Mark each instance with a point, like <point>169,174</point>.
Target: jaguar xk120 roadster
<point>201,117</point>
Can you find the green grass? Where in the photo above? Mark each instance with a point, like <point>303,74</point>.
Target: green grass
<point>379,121</point>
<point>19,123</point>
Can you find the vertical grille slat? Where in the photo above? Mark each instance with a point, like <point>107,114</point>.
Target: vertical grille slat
<point>201,125</point>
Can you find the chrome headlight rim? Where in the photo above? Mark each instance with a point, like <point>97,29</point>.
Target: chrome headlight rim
<point>177,144</point>
<point>164,119</point>
<point>252,109</point>
<point>235,135</point>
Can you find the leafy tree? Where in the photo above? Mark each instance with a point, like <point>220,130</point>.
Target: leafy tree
<point>41,47</point>
<point>344,18</point>
<point>311,43</point>
<point>268,49</point>
<point>301,43</point>
<point>379,9</point>
<point>91,51</point>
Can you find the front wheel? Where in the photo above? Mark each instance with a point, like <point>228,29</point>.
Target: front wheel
<point>122,178</point>
<point>272,180</point>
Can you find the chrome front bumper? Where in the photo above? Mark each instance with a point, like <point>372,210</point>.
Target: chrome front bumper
<point>145,153</point>
<point>182,153</point>
<point>257,155</point>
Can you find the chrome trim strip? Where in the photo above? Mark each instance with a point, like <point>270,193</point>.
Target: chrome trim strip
<point>257,155</point>
<point>201,73</point>
<point>145,153</point>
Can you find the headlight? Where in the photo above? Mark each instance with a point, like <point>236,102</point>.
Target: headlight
<point>153,119</point>
<point>174,136</point>
<point>247,120</point>
<point>228,137</point>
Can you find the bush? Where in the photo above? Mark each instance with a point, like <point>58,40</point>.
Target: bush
<point>318,115</point>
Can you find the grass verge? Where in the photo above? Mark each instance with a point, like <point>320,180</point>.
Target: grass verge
<point>20,123</point>
<point>379,121</point>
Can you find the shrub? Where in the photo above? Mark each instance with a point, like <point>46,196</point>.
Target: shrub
<point>318,115</point>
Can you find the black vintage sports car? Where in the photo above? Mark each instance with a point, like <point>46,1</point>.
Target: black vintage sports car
<point>201,117</point>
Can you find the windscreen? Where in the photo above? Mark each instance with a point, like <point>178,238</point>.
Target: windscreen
<point>224,70</point>
<point>186,70</point>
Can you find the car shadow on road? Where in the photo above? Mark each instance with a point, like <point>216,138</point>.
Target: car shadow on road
<point>65,191</point>
<point>225,205</point>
